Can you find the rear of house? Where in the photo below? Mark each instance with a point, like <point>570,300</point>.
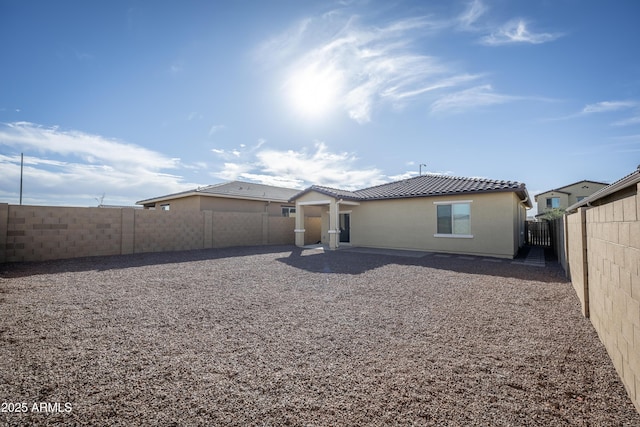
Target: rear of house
<point>431,213</point>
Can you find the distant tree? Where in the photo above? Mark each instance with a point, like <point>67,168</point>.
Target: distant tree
<point>552,214</point>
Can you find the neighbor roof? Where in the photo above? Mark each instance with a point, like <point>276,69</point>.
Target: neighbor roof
<point>561,189</point>
<point>625,182</point>
<point>424,186</point>
<point>233,190</point>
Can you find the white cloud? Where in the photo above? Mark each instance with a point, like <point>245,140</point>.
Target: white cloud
<point>475,97</point>
<point>473,12</point>
<point>91,148</point>
<point>516,31</point>
<point>369,66</point>
<point>628,122</point>
<point>242,151</point>
<point>360,68</point>
<point>232,171</point>
<point>607,106</point>
<point>603,108</point>
<point>298,169</point>
<point>71,167</point>
<point>216,128</point>
<point>176,67</point>
<point>406,175</point>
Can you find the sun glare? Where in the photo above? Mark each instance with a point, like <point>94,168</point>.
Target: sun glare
<point>314,90</point>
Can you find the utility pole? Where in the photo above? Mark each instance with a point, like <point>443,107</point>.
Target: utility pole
<point>21,169</point>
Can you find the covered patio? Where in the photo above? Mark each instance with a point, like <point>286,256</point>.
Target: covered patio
<point>336,218</point>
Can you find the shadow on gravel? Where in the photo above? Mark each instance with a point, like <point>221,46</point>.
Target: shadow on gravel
<point>348,262</point>
<point>316,261</point>
<point>113,262</point>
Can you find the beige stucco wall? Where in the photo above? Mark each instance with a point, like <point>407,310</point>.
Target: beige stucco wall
<point>191,203</point>
<point>412,223</point>
<point>221,204</point>
<point>497,224</point>
<point>519,216</point>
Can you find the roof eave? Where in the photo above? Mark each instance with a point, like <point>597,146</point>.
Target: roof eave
<point>521,191</point>
<point>324,192</point>
<point>200,193</point>
<point>167,197</point>
<point>627,181</point>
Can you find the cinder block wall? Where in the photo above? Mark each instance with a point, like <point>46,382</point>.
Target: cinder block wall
<point>37,233</point>
<point>238,229</point>
<point>280,230</point>
<point>160,231</point>
<point>612,236</point>
<point>613,241</point>
<point>576,247</point>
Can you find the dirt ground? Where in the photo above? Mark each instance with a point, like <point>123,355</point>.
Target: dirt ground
<point>271,336</point>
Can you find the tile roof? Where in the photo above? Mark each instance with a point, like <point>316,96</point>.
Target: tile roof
<point>233,189</point>
<point>423,186</point>
<point>561,189</point>
<point>249,190</point>
<point>333,192</point>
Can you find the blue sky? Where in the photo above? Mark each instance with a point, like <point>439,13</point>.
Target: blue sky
<point>137,99</point>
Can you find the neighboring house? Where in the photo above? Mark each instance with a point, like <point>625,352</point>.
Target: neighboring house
<point>563,197</point>
<point>234,196</point>
<point>430,213</point>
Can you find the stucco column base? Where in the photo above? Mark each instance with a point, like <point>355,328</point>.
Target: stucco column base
<point>334,239</point>
<point>334,231</point>
<point>299,230</point>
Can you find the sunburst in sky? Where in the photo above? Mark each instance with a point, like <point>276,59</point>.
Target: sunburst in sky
<point>136,99</point>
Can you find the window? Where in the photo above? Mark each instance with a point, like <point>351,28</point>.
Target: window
<point>165,207</point>
<point>288,211</point>
<point>454,219</point>
<point>553,202</point>
<point>580,198</point>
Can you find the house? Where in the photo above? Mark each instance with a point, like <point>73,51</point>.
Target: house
<point>242,207</point>
<point>234,196</point>
<point>429,212</point>
<point>563,197</point>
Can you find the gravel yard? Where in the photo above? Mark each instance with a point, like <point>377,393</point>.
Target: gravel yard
<point>284,336</point>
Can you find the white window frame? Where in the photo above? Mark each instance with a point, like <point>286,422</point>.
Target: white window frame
<point>550,202</point>
<point>454,236</point>
<point>289,208</point>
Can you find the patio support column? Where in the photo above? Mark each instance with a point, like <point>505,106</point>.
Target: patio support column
<point>299,230</point>
<point>334,231</point>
